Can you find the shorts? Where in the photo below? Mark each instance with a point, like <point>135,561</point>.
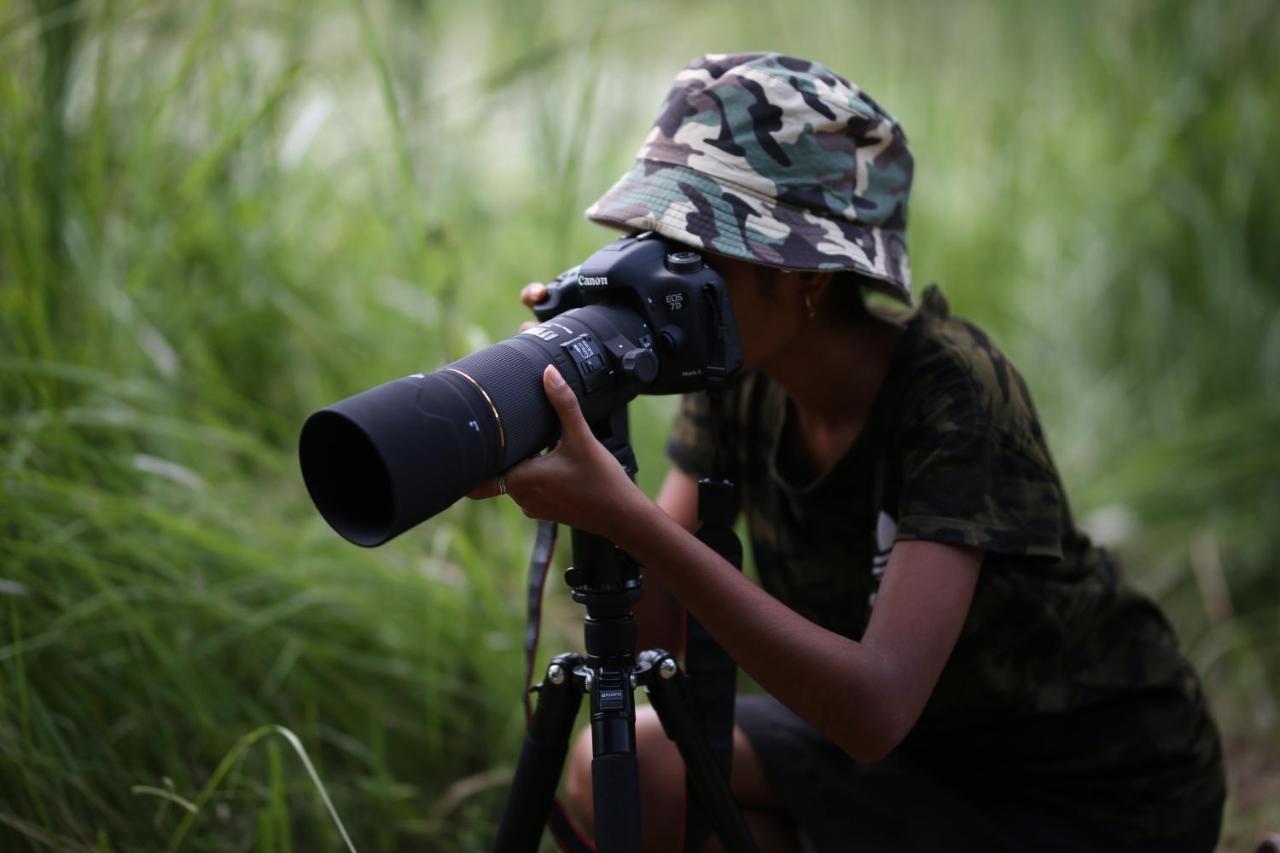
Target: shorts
<point>899,804</point>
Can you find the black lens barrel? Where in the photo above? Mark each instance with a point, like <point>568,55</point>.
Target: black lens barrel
<point>388,458</point>
<point>509,377</point>
<point>381,461</point>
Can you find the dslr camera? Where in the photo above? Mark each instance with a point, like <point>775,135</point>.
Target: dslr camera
<point>640,316</point>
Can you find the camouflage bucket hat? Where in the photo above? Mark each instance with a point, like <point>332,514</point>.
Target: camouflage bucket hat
<point>773,160</point>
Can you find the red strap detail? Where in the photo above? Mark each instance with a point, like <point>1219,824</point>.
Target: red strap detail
<point>566,843</point>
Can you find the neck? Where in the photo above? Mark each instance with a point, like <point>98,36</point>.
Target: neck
<point>832,372</point>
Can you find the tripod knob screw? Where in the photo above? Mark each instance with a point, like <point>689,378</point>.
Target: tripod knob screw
<point>667,669</point>
<point>555,673</point>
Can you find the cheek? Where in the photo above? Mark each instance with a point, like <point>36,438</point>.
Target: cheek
<point>765,321</point>
<point>763,328</point>
<point>755,343</point>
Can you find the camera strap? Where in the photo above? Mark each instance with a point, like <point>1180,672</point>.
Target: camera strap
<point>566,835</point>
<point>544,548</point>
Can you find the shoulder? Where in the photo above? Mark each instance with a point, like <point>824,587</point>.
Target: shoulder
<point>973,465</point>
<point>957,377</point>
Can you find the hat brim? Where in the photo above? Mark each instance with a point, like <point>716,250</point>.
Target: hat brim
<point>691,207</point>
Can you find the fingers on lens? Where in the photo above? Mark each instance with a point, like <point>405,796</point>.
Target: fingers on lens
<point>533,293</point>
<point>485,490</point>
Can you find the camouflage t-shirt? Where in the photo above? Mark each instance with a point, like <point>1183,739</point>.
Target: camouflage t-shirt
<point>1064,682</point>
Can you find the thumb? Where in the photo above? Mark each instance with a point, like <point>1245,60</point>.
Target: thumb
<point>565,402</point>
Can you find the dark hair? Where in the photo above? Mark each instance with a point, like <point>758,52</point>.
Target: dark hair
<point>845,297</point>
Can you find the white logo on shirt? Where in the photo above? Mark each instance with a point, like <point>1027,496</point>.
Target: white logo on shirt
<point>886,531</point>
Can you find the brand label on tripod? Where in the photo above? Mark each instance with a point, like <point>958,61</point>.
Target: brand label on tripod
<point>611,700</point>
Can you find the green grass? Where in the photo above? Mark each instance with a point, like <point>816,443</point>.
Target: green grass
<point>217,217</point>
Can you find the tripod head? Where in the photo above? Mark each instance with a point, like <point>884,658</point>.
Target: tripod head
<point>601,571</point>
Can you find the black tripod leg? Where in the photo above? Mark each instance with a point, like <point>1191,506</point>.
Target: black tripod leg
<point>669,696</point>
<point>615,781</point>
<point>615,772</point>
<point>541,759</point>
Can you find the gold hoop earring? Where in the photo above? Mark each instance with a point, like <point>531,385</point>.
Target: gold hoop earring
<point>808,304</point>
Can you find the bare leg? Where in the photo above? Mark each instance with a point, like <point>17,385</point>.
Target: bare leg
<point>662,789</point>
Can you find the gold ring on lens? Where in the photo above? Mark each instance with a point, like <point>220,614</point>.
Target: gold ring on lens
<point>502,437</point>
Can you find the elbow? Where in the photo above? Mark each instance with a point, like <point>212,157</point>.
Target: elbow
<point>866,753</point>
<point>881,727</point>
<point>887,719</point>
<point>871,748</point>
<point>878,736</point>
<point>870,754</point>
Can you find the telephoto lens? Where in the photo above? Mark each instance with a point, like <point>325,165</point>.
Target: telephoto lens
<point>380,462</point>
<point>637,316</point>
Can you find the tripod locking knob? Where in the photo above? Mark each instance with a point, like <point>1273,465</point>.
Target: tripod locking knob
<point>555,674</point>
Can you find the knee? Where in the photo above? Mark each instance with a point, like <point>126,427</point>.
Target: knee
<point>661,771</point>
<point>577,784</point>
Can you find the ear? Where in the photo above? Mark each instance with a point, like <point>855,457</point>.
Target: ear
<point>814,282</point>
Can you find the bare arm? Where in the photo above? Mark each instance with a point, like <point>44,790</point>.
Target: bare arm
<point>659,616</point>
<point>864,695</point>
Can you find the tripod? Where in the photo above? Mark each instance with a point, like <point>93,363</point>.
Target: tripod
<point>607,582</point>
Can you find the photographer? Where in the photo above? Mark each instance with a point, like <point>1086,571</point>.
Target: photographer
<point>950,663</point>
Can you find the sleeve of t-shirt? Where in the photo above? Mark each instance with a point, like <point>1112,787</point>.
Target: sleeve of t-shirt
<point>690,444</point>
<point>969,477</point>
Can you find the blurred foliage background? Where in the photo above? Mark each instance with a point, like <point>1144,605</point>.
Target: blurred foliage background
<point>217,216</point>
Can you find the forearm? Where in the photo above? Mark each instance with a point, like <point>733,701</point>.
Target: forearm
<point>659,615</point>
<point>831,681</point>
<point>863,695</point>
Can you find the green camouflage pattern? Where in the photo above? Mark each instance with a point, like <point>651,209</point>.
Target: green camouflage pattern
<point>774,160</point>
<point>1063,678</point>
